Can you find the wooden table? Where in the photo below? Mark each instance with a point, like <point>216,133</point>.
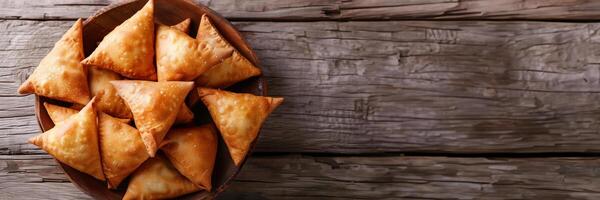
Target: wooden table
<point>428,99</point>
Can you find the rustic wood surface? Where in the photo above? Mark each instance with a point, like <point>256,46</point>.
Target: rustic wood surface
<point>351,177</point>
<point>303,10</point>
<point>362,87</point>
<point>481,81</point>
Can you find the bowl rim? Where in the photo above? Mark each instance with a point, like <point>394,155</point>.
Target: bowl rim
<point>247,52</point>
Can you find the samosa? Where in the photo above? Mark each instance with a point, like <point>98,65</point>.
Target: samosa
<point>58,113</point>
<point>182,58</point>
<point>158,179</point>
<point>129,48</point>
<point>122,149</point>
<point>233,69</point>
<point>154,106</point>
<point>108,100</point>
<point>60,75</point>
<point>192,150</point>
<point>74,142</point>
<point>183,26</point>
<point>238,117</point>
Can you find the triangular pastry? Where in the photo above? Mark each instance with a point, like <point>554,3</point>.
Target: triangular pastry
<point>192,150</point>
<point>58,113</point>
<point>238,117</point>
<point>158,179</point>
<point>180,57</point>
<point>154,106</point>
<point>107,99</point>
<point>60,75</point>
<point>122,149</point>
<point>207,33</point>
<point>185,115</point>
<point>234,69</point>
<point>183,26</point>
<point>74,142</point>
<point>129,48</point>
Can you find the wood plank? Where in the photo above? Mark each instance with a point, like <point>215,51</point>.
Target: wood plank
<point>364,87</point>
<point>335,9</point>
<point>259,10</point>
<point>35,177</point>
<point>386,177</point>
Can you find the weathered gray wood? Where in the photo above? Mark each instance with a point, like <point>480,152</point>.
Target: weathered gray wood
<point>335,9</point>
<point>34,177</point>
<point>355,87</point>
<point>262,9</point>
<point>470,9</point>
<point>391,177</point>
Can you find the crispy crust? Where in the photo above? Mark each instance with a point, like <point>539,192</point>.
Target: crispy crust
<point>233,69</point>
<point>238,117</point>
<point>193,151</point>
<point>158,179</point>
<point>154,106</point>
<point>75,142</point>
<point>182,58</point>
<point>108,100</point>
<point>122,149</point>
<point>60,75</point>
<point>183,26</point>
<point>129,48</point>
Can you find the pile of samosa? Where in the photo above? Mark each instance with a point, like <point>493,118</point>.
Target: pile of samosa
<point>120,81</point>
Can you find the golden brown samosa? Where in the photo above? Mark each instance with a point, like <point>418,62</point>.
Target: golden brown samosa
<point>154,106</point>
<point>122,149</point>
<point>74,142</point>
<point>183,26</point>
<point>158,179</point>
<point>58,113</point>
<point>238,117</point>
<point>233,69</point>
<point>182,58</point>
<point>60,75</point>
<point>192,150</point>
<point>185,115</point>
<point>107,99</point>
<point>129,48</point>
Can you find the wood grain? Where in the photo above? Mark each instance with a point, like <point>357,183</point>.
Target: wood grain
<point>362,87</point>
<point>391,177</point>
<point>301,10</point>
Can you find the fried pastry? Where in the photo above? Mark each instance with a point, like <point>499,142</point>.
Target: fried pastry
<point>107,99</point>
<point>58,113</point>
<point>193,150</point>
<point>183,26</point>
<point>234,69</point>
<point>121,149</point>
<point>238,117</point>
<point>182,58</point>
<point>185,115</point>
<point>154,106</point>
<point>158,179</point>
<point>74,142</point>
<point>60,75</point>
<point>129,48</point>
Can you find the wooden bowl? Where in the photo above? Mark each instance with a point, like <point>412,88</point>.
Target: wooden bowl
<point>167,12</point>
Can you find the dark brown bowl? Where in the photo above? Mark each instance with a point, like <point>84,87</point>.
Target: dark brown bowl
<point>167,12</point>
